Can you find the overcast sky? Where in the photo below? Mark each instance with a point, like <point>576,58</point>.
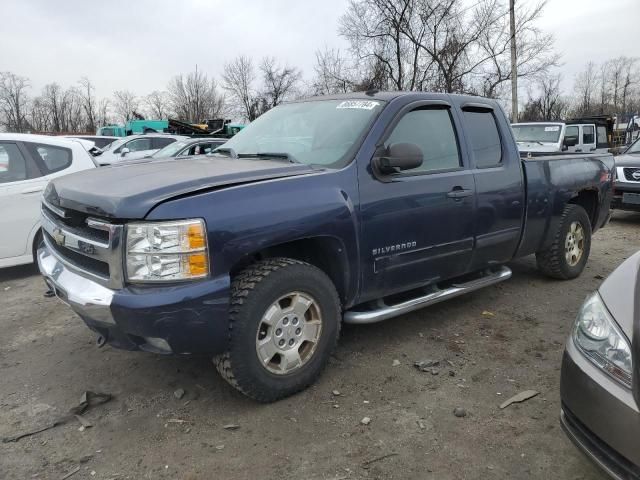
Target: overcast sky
<point>140,44</point>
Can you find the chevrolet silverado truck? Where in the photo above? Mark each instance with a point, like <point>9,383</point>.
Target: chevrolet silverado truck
<point>354,208</point>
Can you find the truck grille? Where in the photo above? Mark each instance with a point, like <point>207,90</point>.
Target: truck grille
<point>88,245</point>
<point>628,174</point>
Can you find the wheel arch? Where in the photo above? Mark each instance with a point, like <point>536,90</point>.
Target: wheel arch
<point>324,252</point>
<point>589,200</point>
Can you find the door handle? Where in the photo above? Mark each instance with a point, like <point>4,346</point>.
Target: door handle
<point>32,190</point>
<point>458,193</point>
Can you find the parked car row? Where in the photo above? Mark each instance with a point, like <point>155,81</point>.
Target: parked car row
<point>28,162</point>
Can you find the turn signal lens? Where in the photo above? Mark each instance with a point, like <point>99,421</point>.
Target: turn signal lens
<point>196,236</point>
<point>198,265</point>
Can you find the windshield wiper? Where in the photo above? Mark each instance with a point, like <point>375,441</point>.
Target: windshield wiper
<point>228,150</point>
<point>283,155</point>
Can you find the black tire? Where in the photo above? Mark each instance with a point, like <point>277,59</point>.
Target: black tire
<point>253,291</point>
<point>553,261</point>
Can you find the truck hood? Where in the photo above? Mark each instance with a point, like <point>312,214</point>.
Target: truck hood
<point>536,147</point>
<point>618,292</point>
<point>131,191</point>
<point>628,160</point>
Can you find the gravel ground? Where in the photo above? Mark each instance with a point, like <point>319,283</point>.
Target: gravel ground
<point>48,359</point>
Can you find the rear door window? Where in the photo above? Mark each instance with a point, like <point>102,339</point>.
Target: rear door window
<point>483,135</point>
<point>13,165</point>
<point>601,132</point>
<point>162,142</point>
<point>588,135</point>
<point>139,144</point>
<point>53,157</point>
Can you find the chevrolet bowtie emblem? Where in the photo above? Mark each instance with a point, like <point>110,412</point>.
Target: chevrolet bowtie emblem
<point>58,236</point>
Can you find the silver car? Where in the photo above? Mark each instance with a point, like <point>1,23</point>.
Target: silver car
<point>135,146</point>
<point>600,388</point>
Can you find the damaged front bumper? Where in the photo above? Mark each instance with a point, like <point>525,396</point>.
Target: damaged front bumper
<point>179,318</point>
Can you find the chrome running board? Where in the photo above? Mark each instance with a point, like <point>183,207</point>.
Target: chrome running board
<point>384,311</point>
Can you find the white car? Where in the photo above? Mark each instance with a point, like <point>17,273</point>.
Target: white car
<point>27,163</point>
<point>135,146</point>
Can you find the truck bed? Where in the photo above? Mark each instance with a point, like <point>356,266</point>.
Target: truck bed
<point>552,181</point>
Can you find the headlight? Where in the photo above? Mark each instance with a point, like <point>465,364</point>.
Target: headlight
<point>598,336</point>
<point>167,251</point>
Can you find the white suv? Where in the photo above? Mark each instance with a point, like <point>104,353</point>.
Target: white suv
<point>27,163</point>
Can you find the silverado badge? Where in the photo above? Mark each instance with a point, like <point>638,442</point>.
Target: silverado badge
<point>398,247</point>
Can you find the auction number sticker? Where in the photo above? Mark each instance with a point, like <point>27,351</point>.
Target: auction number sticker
<point>554,128</point>
<point>358,104</point>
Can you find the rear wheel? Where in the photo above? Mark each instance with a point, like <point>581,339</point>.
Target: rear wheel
<point>569,252</point>
<point>284,321</point>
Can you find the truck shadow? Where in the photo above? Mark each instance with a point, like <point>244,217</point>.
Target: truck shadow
<point>631,218</point>
<point>19,272</point>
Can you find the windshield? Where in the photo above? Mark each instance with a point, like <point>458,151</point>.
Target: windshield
<point>537,133</point>
<point>319,132</point>
<point>635,147</point>
<point>170,150</point>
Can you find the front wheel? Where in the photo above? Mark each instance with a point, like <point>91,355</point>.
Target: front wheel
<point>569,252</point>
<point>284,321</point>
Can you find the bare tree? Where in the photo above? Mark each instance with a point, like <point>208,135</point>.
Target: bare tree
<point>88,103</point>
<point>535,49</point>
<point>629,81</point>
<point>239,77</point>
<point>442,45</point>
<point>53,99</point>
<point>195,97</point>
<point>332,73</point>
<point>39,118</point>
<point>386,37</point>
<point>280,83</point>
<point>452,37</point>
<point>102,110</point>
<point>585,88</point>
<point>547,104</point>
<point>603,81</point>
<point>13,101</point>
<point>158,104</point>
<point>124,104</point>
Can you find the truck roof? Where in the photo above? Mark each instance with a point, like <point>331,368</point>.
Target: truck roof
<point>537,123</point>
<point>391,95</point>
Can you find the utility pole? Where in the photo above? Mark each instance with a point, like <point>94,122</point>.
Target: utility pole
<point>514,66</point>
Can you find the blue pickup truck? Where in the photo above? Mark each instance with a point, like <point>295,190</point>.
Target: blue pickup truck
<point>353,208</point>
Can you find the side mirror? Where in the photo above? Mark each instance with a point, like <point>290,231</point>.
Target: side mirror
<point>570,141</point>
<point>124,151</point>
<point>400,156</point>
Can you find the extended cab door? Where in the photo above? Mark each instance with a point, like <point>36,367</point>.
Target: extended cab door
<point>417,225</point>
<point>500,192</point>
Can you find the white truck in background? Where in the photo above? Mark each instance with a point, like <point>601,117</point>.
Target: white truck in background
<point>536,138</point>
